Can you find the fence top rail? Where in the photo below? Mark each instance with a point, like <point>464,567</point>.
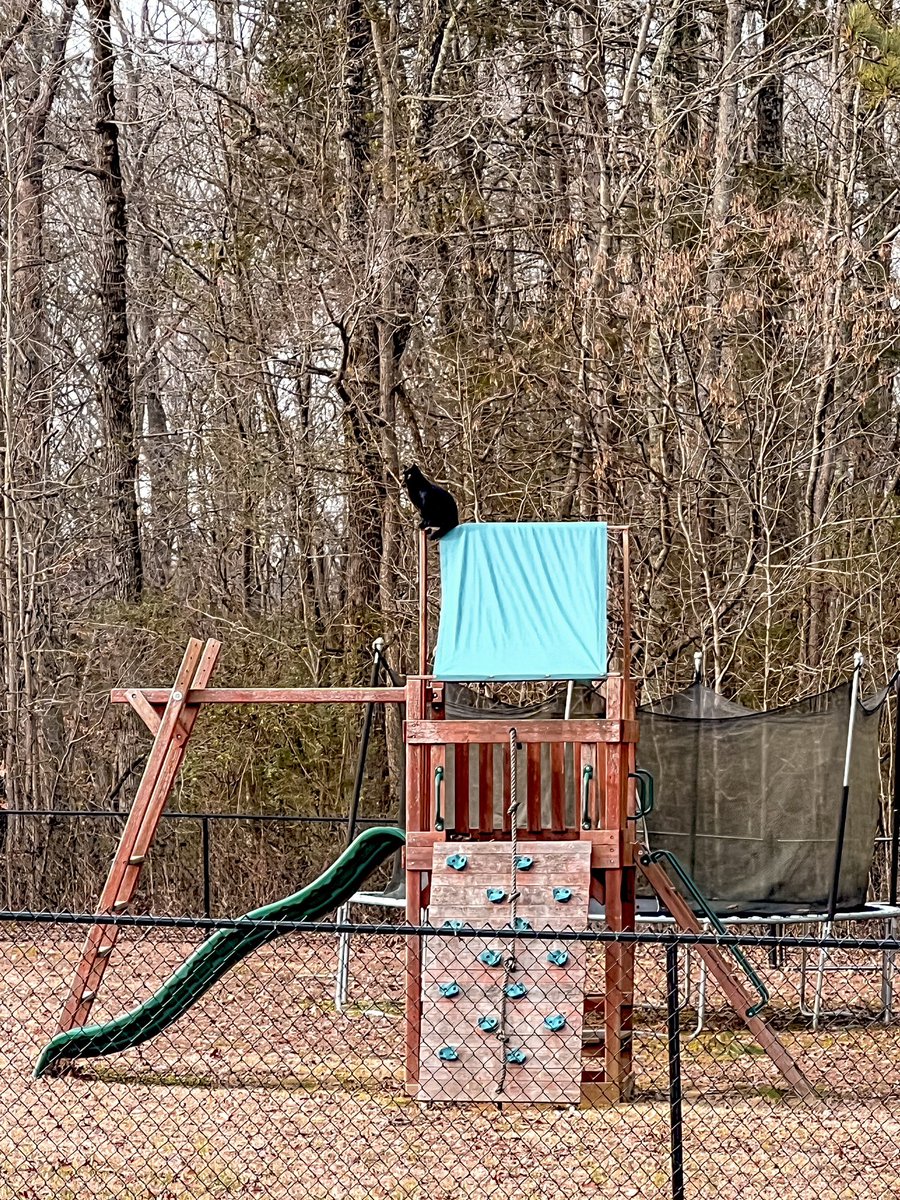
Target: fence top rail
<point>262,695</point>
<point>122,813</point>
<point>637,937</point>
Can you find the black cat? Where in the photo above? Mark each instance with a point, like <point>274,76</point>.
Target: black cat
<point>437,506</point>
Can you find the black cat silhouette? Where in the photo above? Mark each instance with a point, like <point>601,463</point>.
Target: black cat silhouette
<point>436,505</point>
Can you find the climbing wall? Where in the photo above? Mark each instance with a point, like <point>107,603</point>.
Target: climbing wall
<point>463,1055</point>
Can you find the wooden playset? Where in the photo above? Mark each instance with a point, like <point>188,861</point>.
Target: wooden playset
<point>547,829</point>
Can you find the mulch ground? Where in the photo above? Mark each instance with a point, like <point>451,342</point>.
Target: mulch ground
<point>264,1090</point>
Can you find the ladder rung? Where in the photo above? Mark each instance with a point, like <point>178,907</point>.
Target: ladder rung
<point>137,860</point>
<point>103,951</point>
<point>119,905</point>
<point>86,997</point>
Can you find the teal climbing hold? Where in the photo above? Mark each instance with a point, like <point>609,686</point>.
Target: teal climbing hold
<point>524,862</point>
<point>557,958</point>
<point>490,958</point>
<point>448,1054</point>
<point>520,924</point>
<point>516,1056</point>
<point>495,895</point>
<point>562,895</point>
<point>454,924</point>
<point>555,1022</point>
<point>515,991</point>
<point>457,862</point>
<point>488,1024</point>
<point>449,989</point>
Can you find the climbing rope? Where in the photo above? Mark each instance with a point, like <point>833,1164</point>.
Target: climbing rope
<point>509,963</point>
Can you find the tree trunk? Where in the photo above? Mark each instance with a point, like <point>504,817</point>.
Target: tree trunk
<point>25,568</point>
<point>116,400</point>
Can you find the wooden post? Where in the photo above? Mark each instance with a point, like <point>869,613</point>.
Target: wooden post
<point>417,809</point>
<point>619,900</point>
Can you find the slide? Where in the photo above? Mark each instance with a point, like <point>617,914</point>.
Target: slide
<point>222,951</point>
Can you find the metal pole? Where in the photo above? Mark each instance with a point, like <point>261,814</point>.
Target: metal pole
<point>838,843</point>
<point>676,1128</point>
<point>396,886</point>
<point>423,603</point>
<point>698,668</point>
<point>895,799</point>
<point>204,851</point>
<point>858,661</point>
<point>377,647</point>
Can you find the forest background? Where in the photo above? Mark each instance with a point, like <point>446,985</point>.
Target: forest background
<point>617,260</point>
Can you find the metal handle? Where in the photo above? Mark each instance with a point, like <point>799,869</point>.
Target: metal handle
<point>645,789</point>
<point>690,886</point>
<point>586,776</point>
<point>438,784</point>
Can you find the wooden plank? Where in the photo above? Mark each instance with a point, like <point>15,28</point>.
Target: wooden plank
<point>714,957</point>
<point>485,789</point>
<point>461,789</point>
<point>206,695</point>
<point>606,852</point>
<point>162,764</point>
<point>101,939</point>
<point>144,709</point>
<point>609,808</point>
<point>437,758</point>
<point>533,779</point>
<point>505,794</point>
<point>602,1095</point>
<point>551,858</point>
<point>419,849</point>
<point>167,776</point>
<point>497,732</point>
<point>558,787</point>
<point>586,757</point>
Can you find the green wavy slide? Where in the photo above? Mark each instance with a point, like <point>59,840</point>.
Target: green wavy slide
<point>222,951</point>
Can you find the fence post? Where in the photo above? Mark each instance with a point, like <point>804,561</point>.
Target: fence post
<point>674,1040</point>
<point>204,850</point>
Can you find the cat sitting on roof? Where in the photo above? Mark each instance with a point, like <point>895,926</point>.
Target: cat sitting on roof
<point>435,504</point>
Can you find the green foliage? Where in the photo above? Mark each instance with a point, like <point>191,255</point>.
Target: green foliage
<point>877,46</point>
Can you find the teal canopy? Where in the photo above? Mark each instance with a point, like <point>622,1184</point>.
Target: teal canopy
<point>523,601</point>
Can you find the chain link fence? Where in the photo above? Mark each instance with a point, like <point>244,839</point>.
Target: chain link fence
<point>286,1077</point>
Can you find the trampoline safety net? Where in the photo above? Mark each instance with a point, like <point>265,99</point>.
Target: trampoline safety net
<point>749,801</point>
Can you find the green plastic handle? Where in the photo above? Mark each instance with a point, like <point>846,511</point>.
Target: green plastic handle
<point>690,886</point>
<point>645,790</point>
<point>438,785</point>
<point>586,776</point>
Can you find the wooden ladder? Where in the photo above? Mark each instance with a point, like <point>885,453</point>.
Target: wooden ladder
<point>171,725</point>
<point>739,998</point>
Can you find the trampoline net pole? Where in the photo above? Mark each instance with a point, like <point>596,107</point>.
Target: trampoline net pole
<point>845,791</point>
